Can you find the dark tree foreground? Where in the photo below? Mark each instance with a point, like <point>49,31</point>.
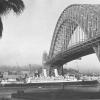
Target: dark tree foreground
<point>6,6</point>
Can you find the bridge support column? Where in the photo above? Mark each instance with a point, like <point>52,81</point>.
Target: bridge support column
<point>97,50</point>
<point>51,72</point>
<point>61,70</point>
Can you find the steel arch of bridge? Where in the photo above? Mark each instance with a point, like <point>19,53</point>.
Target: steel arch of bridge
<point>86,16</point>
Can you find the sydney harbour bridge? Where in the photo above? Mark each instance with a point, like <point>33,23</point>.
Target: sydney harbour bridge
<point>77,33</point>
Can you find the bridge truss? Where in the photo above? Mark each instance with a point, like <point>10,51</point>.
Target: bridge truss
<point>84,17</point>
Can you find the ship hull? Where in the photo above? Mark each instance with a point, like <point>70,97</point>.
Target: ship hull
<point>51,84</point>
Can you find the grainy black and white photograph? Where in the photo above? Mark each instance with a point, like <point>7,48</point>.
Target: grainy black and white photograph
<point>49,50</point>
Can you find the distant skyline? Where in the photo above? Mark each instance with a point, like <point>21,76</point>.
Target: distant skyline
<point>27,36</point>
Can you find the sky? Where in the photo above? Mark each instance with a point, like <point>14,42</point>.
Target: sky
<point>27,36</point>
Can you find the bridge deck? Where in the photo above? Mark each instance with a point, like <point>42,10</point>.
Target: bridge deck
<point>74,52</point>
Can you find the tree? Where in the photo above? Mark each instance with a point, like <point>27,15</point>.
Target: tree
<point>6,6</point>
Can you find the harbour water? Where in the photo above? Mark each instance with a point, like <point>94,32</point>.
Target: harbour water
<point>57,93</point>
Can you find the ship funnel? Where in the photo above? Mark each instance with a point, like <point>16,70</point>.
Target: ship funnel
<point>44,73</point>
<point>56,72</point>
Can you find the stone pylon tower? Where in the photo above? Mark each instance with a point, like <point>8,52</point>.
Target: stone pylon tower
<point>44,59</point>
